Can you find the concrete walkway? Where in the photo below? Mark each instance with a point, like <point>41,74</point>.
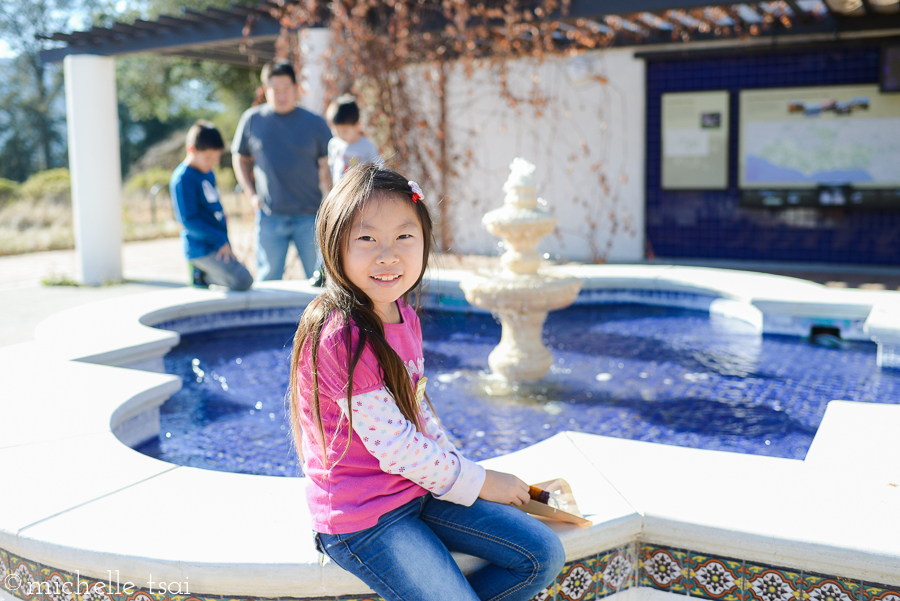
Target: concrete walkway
<point>147,266</point>
<point>159,264</point>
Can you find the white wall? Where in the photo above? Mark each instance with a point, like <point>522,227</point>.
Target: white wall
<point>586,139</point>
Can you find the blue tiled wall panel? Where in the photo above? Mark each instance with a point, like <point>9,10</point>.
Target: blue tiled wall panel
<point>711,224</point>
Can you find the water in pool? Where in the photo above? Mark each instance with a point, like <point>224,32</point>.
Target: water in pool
<point>659,374</point>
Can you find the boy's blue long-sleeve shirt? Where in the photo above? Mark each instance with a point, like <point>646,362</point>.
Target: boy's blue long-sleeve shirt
<point>198,210</point>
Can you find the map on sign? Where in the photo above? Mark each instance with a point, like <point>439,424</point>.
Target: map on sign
<point>804,137</point>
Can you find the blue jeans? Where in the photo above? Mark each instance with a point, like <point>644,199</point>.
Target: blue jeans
<point>216,271</point>
<point>406,555</point>
<point>273,235</point>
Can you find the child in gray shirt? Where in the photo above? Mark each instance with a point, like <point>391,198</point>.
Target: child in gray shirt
<point>348,147</point>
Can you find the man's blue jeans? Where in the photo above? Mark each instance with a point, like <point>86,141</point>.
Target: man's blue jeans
<point>406,556</point>
<point>273,235</point>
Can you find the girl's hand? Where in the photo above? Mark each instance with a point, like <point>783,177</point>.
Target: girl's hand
<point>505,489</point>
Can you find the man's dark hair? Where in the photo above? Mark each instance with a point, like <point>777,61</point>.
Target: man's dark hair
<point>278,68</point>
<point>203,135</point>
<point>343,111</point>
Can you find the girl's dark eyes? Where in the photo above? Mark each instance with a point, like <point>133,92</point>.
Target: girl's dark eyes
<point>400,237</point>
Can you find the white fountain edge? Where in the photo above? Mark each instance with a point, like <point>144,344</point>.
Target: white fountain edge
<point>74,533</point>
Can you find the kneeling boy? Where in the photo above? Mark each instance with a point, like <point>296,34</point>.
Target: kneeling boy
<point>198,210</point>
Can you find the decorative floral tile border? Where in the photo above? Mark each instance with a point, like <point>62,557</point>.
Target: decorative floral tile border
<point>714,577</point>
<point>722,578</point>
<point>589,578</point>
<point>676,571</point>
<point>663,569</point>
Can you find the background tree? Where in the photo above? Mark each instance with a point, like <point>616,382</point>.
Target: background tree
<point>33,130</point>
<point>158,95</point>
<point>18,147</point>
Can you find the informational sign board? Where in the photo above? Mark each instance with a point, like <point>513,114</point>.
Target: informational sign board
<point>804,138</point>
<point>695,140</point>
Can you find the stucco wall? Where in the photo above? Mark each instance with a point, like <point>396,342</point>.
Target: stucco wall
<point>585,135</point>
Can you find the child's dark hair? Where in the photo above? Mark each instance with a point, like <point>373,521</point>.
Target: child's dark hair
<point>203,135</point>
<point>343,111</point>
<point>277,68</point>
<point>360,185</point>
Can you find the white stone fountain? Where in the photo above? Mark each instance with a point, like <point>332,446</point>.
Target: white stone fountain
<point>519,293</point>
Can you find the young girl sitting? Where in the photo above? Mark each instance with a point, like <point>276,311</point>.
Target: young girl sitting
<point>389,494</point>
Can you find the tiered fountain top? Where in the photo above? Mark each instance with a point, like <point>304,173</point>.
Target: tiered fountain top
<point>518,294</point>
<point>520,186</point>
<point>519,222</point>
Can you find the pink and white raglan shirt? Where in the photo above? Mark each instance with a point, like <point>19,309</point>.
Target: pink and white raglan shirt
<point>389,462</point>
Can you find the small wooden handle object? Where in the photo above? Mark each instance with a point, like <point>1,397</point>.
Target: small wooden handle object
<point>539,495</point>
<point>539,507</point>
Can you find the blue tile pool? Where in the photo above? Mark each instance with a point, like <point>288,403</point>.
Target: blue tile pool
<point>658,374</point>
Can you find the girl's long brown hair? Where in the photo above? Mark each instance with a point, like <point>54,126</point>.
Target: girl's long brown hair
<point>362,184</point>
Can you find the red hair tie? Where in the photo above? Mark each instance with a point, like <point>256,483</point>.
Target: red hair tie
<point>416,192</point>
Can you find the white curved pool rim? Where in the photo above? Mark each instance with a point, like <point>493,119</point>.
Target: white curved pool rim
<point>77,499</point>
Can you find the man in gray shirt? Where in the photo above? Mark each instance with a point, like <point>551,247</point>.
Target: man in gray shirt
<point>280,158</point>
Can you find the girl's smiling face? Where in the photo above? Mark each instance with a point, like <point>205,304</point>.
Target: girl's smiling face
<point>383,254</point>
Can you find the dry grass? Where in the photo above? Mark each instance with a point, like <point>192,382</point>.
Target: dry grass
<point>23,215</point>
<point>36,225</point>
<point>28,226</point>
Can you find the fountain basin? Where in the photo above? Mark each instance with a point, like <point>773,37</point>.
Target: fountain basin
<point>111,508</point>
<point>521,293</point>
<point>673,376</point>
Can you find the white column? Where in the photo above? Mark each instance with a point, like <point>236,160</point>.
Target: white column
<point>94,162</point>
<point>314,43</point>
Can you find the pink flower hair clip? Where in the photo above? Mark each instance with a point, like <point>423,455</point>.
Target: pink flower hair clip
<point>416,191</point>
